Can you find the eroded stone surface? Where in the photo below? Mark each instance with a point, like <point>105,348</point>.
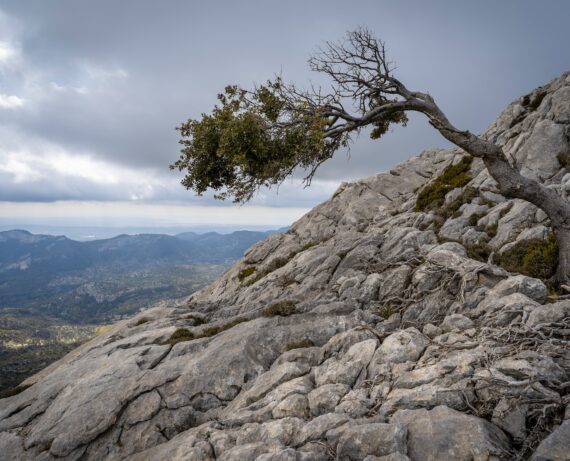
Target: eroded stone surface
<point>401,347</point>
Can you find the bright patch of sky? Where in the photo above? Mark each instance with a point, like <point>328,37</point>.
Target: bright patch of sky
<point>90,92</point>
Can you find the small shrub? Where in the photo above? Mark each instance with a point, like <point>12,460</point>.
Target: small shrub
<point>564,160</point>
<point>273,265</point>
<point>307,246</point>
<point>300,344</point>
<point>280,308</point>
<point>14,391</point>
<point>535,258</point>
<point>212,331</point>
<point>386,311</point>
<point>252,280</point>
<point>474,218</point>
<point>505,210</point>
<point>180,335</point>
<point>478,251</point>
<point>452,209</point>
<point>245,273</point>
<point>197,320</point>
<point>433,195</point>
<point>102,329</point>
<point>277,263</point>
<point>286,280</point>
<point>491,230</point>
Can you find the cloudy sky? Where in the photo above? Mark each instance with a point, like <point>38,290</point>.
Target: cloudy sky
<point>91,91</point>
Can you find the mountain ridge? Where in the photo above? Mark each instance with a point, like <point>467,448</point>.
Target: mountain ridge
<point>345,337</point>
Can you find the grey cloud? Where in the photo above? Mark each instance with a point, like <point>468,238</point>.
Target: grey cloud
<point>474,57</point>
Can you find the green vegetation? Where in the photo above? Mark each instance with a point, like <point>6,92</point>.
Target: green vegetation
<point>564,160</point>
<point>307,246</point>
<point>478,251</point>
<point>245,273</point>
<point>280,308</point>
<point>29,343</point>
<point>180,335</point>
<point>212,331</point>
<point>300,344</point>
<point>474,218</point>
<point>14,391</point>
<point>432,196</point>
<point>273,265</point>
<point>195,319</point>
<point>386,311</point>
<point>102,329</point>
<point>142,321</point>
<point>535,258</point>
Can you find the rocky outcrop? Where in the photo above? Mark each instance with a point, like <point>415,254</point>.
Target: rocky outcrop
<point>365,332</point>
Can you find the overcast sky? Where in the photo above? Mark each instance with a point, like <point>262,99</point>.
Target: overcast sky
<point>91,91</point>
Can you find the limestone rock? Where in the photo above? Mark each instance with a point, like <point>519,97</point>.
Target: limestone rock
<point>396,335</point>
<point>443,433</point>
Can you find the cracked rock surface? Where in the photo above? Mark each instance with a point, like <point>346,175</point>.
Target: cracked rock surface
<point>365,332</point>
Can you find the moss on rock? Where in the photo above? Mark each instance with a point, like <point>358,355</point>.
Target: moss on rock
<point>432,196</point>
<point>535,258</point>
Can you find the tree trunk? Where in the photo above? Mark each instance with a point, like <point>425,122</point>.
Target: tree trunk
<point>511,183</point>
<point>563,272</point>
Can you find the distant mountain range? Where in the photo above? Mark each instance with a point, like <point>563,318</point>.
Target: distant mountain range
<point>55,291</point>
<point>83,280</point>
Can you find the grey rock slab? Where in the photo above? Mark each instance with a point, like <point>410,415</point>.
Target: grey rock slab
<point>443,433</point>
<point>346,369</point>
<point>533,288</point>
<point>324,399</point>
<point>378,439</point>
<point>402,346</point>
<point>319,426</point>
<point>549,313</point>
<point>288,454</point>
<point>251,451</point>
<point>556,447</point>
<point>295,405</point>
<point>456,322</point>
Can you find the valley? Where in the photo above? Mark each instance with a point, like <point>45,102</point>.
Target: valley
<point>56,293</point>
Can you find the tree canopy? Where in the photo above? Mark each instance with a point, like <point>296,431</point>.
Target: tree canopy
<point>255,138</point>
<point>258,137</point>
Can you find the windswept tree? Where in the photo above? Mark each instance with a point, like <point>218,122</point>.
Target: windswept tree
<point>255,138</point>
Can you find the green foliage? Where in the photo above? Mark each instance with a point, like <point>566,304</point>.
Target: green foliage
<point>474,218</point>
<point>300,344</point>
<point>245,273</point>
<point>386,311</point>
<point>535,258</point>
<point>273,265</point>
<point>257,138</point>
<point>432,196</point>
<point>381,127</point>
<point>14,391</point>
<point>197,321</point>
<point>478,251</point>
<point>564,160</point>
<point>181,334</point>
<point>251,139</point>
<point>142,321</point>
<point>307,246</point>
<point>212,331</point>
<point>280,308</point>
